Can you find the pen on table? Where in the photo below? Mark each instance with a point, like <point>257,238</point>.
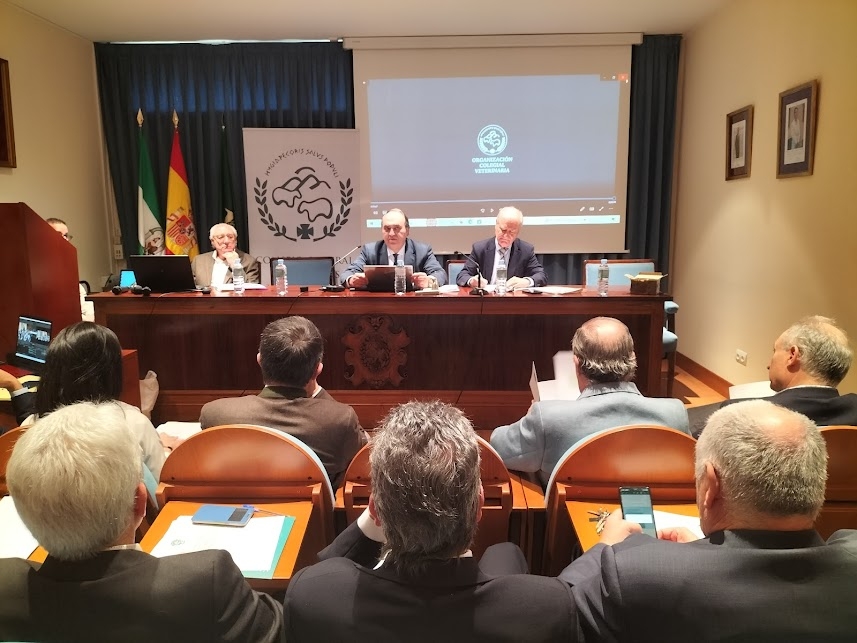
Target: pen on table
<point>264,511</point>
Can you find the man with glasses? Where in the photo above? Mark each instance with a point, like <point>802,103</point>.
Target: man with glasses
<point>87,312</point>
<point>523,269</point>
<point>216,267</point>
<point>395,247</point>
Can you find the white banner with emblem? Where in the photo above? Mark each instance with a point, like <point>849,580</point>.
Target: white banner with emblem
<point>301,193</point>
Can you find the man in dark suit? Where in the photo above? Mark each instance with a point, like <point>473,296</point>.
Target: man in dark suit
<point>395,247</point>
<point>76,479</point>
<point>290,355</point>
<point>522,267</point>
<point>425,503</point>
<point>762,573</point>
<point>809,361</point>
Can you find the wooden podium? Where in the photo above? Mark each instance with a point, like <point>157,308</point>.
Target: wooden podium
<point>39,274</point>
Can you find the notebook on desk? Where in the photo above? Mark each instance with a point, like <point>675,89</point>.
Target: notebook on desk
<point>382,278</point>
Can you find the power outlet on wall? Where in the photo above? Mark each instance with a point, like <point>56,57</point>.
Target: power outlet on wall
<point>741,357</point>
<point>117,252</point>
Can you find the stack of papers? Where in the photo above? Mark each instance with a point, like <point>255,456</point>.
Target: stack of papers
<point>564,387</point>
<point>16,541</point>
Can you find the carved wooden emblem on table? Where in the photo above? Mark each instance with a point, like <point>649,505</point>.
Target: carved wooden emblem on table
<point>375,351</point>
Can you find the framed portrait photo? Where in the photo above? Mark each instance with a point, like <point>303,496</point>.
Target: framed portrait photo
<point>796,139</point>
<point>7,133</point>
<point>739,143</point>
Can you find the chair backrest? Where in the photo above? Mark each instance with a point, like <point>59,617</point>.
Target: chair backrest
<point>7,443</point>
<point>453,267</point>
<point>618,269</point>
<point>592,470</point>
<point>249,464</point>
<point>840,497</point>
<point>306,271</point>
<point>496,483</point>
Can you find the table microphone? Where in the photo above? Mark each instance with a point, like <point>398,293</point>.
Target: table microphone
<point>477,290</point>
<point>337,287</point>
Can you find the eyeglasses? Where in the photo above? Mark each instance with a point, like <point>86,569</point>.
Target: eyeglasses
<point>67,237</point>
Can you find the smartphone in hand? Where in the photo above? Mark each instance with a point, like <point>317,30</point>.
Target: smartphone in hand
<point>637,507</point>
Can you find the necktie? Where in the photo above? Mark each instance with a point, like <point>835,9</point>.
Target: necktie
<point>395,258</point>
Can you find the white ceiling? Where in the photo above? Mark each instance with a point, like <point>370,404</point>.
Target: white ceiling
<point>192,20</point>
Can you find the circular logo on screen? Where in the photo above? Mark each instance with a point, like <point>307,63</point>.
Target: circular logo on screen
<point>492,140</point>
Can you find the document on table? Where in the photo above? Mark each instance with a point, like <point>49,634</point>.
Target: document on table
<point>667,519</point>
<point>230,287</point>
<point>16,541</point>
<point>255,548</point>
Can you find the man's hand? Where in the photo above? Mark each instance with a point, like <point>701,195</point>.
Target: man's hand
<point>420,280</point>
<point>357,280</point>
<point>677,535</point>
<point>476,282</point>
<point>617,529</point>
<point>513,283</point>
<point>9,381</point>
<point>370,528</point>
<point>231,257</point>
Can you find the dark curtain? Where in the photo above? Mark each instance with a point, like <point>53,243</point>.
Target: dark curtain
<point>236,85</point>
<point>654,83</point>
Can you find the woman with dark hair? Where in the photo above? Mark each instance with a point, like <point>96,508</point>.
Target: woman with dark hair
<point>84,364</point>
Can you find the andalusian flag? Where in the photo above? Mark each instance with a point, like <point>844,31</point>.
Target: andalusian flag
<point>181,233</point>
<point>226,198</point>
<point>150,225</point>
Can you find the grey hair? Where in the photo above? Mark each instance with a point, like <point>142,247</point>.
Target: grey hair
<point>73,477</point>
<point>605,359</point>
<point>770,460</point>
<point>824,350</point>
<point>511,211</point>
<point>222,225</point>
<point>425,483</point>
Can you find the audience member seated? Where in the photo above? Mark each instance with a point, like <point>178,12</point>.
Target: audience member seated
<point>76,478</point>
<point>84,364</point>
<point>215,268</point>
<point>809,361</point>
<point>605,363</point>
<point>523,268</point>
<point>426,500</point>
<point>290,356</point>
<point>761,573</point>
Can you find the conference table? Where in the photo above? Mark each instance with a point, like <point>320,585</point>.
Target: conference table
<point>380,349</point>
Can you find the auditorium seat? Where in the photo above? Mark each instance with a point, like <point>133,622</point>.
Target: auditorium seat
<point>453,267</point>
<point>7,443</point>
<point>840,498</point>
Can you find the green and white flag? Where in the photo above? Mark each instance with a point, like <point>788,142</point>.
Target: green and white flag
<point>150,227</point>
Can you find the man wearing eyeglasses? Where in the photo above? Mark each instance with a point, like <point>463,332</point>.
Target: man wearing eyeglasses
<point>216,267</point>
<point>87,312</point>
<point>395,248</point>
<point>523,268</point>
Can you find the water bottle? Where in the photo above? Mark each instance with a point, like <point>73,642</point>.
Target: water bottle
<point>238,277</point>
<point>603,278</point>
<point>399,282</point>
<point>281,277</point>
<point>501,276</point>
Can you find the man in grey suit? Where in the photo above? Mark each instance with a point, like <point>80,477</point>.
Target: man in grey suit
<point>605,363</point>
<point>76,478</point>
<point>215,268</point>
<point>395,248</point>
<point>762,573</point>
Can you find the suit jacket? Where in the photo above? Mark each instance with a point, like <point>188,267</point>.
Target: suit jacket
<point>419,255</point>
<point>521,262</point>
<point>327,427</point>
<point>742,585</point>
<point>130,596</point>
<point>346,599</point>
<point>203,264</point>
<point>538,440</point>
<point>821,404</point>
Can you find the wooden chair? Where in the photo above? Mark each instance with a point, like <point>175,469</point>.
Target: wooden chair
<point>593,470</point>
<point>243,463</point>
<point>7,443</point>
<point>840,498</point>
<point>306,271</point>
<point>620,268</point>
<point>496,482</point>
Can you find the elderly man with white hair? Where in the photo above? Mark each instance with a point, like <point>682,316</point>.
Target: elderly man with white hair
<point>77,481</point>
<point>215,268</point>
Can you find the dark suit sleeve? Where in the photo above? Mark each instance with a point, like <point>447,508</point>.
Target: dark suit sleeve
<point>595,589</point>
<point>431,266</point>
<point>354,546</point>
<point>358,264</point>
<point>533,268</point>
<point>469,269</point>
<point>24,406</point>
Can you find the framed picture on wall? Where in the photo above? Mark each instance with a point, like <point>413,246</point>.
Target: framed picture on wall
<point>796,140</point>
<point>739,143</point>
<point>7,133</point>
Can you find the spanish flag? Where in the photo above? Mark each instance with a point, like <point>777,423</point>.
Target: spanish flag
<point>181,232</point>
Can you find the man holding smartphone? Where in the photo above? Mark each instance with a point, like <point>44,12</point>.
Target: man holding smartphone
<point>761,573</point>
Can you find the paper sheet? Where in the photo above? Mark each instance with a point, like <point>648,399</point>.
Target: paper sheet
<point>557,290</point>
<point>230,287</point>
<point>16,541</point>
<point>564,387</point>
<point>666,519</point>
<point>179,429</point>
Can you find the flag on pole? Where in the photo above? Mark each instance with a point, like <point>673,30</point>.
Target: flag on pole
<point>181,233</point>
<point>150,225</point>
<point>226,197</point>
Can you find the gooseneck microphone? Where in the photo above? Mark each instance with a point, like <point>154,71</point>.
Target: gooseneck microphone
<point>333,287</point>
<point>476,290</point>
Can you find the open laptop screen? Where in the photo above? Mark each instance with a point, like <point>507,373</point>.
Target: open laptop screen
<point>382,278</point>
<point>34,335</point>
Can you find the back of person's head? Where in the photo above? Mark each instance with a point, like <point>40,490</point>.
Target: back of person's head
<point>425,484</point>
<point>83,364</point>
<point>73,476</point>
<point>824,350</point>
<point>771,461</point>
<point>604,350</point>
<point>290,350</point>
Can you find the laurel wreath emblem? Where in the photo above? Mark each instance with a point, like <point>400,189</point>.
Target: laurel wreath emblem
<point>345,198</point>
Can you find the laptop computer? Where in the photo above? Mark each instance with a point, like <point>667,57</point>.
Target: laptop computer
<point>31,348</point>
<point>381,278</point>
<point>163,273</point>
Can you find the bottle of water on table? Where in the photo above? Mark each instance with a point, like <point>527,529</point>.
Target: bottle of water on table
<point>238,277</point>
<point>281,277</point>
<point>501,276</point>
<point>603,278</point>
<point>400,285</point>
